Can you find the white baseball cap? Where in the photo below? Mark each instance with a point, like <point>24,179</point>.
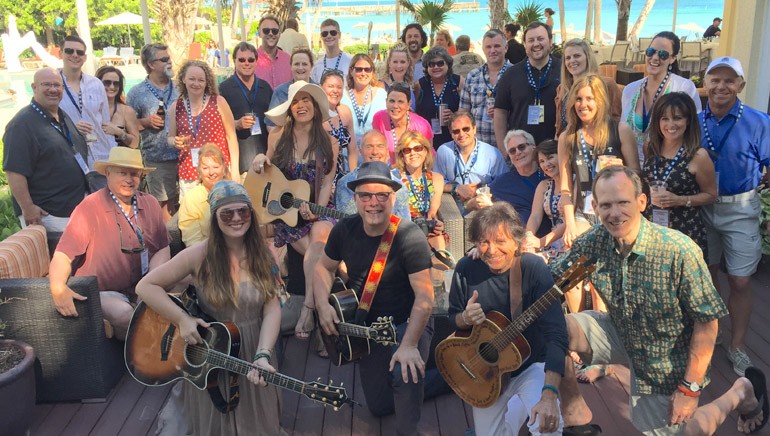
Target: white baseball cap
<point>726,61</point>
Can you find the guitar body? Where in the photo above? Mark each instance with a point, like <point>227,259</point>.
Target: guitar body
<point>156,355</point>
<point>273,196</point>
<point>344,349</point>
<point>473,368</point>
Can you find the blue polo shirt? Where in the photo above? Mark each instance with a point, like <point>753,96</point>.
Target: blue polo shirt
<point>739,158</point>
<point>488,164</point>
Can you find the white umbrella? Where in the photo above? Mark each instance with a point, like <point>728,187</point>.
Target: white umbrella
<point>126,18</point>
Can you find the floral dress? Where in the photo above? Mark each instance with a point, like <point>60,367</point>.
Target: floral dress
<point>420,192</point>
<point>343,137</point>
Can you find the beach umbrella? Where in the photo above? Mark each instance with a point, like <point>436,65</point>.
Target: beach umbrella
<point>126,18</point>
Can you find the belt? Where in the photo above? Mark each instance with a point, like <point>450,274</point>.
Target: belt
<point>737,198</point>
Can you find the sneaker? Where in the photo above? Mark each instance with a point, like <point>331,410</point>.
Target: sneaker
<point>740,361</point>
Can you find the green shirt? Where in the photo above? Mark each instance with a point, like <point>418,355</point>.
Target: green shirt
<point>654,296</point>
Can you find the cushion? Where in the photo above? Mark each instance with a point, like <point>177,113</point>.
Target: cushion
<point>25,255</point>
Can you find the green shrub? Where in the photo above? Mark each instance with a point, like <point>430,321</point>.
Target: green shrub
<point>361,48</point>
<point>9,223</point>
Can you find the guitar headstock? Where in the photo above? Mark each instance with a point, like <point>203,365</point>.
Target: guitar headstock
<point>334,396</point>
<point>383,331</point>
<point>576,273</point>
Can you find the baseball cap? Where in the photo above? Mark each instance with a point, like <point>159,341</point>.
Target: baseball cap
<point>726,61</point>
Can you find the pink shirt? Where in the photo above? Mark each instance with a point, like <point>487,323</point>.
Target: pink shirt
<point>381,123</point>
<point>274,71</point>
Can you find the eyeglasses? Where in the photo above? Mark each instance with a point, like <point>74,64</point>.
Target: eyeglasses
<point>520,148</point>
<point>662,54</point>
<point>110,83</point>
<point>367,196</point>
<point>164,59</point>
<point>269,30</point>
<point>436,64</point>
<point>227,215</point>
<point>54,85</point>
<point>249,60</point>
<point>417,149</point>
<point>326,33</point>
<point>466,129</point>
<point>363,69</point>
<point>69,51</point>
<point>123,249</point>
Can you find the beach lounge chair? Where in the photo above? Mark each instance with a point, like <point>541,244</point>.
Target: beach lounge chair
<point>619,55</point>
<point>127,53</point>
<point>110,57</point>
<point>692,53</point>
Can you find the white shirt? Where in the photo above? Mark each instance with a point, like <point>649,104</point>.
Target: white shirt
<point>331,64</point>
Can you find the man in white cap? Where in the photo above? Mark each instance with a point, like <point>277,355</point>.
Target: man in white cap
<point>116,234</point>
<point>737,138</point>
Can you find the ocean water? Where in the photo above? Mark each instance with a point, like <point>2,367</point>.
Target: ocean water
<point>692,18</point>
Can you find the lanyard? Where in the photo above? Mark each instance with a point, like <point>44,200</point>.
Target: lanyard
<point>194,129</point>
<point>336,65</point>
<point>60,127</point>
<point>360,109</point>
<point>78,104</point>
<point>136,228</point>
<point>645,114</point>
<point>459,162</point>
<point>588,158</point>
<point>157,93</point>
<point>531,79</point>
<point>707,134</point>
<point>492,90</point>
<point>253,100</point>
<point>440,99</point>
<point>393,129</point>
<point>671,166</point>
<point>423,204</point>
<point>529,183</point>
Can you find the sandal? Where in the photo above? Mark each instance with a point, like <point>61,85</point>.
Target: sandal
<point>600,372</point>
<point>759,384</point>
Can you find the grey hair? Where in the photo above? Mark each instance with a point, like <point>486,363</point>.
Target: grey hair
<point>148,53</point>
<point>493,33</point>
<point>518,132</point>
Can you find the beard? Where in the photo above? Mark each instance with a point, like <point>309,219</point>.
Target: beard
<point>168,72</point>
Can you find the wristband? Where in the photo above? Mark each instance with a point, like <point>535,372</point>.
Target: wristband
<point>262,354</point>
<point>551,388</point>
<point>688,392</point>
<point>454,189</point>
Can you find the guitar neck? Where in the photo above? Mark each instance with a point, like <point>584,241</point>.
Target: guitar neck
<point>320,210</point>
<point>354,330</point>
<point>229,363</point>
<point>527,317</point>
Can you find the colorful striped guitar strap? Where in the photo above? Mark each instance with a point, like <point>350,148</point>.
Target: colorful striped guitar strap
<point>376,270</point>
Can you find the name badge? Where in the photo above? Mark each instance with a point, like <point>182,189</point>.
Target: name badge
<point>145,261</point>
<point>435,124</point>
<point>535,114</point>
<point>588,206</point>
<point>81,163</point>
<point>660,217</point>
<point>256,129</point>
<point>490,104</point>
<point>194,153</point>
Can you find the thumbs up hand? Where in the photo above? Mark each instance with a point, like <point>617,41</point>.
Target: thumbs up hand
<point>473,313</point>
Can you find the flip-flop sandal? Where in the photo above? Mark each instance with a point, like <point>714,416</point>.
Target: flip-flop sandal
<point>759,384</point>
<point>582,372</point>
<point>582,430</point>
<point>445,258</point>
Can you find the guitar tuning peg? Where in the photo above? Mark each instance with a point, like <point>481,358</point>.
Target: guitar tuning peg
<point>342,384</point>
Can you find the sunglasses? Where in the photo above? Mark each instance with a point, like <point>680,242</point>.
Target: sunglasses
<point>520,148</point>
<point>268,31</point>
<point>367,196</point>
<point>363,69</point>
<point>436,64</point>
<point>326,33</point>
<point>69,51</point>
<point>110,83</point>
<point>662,54</point>
<point>227,215</point>
<point>417,149</point>
<point>123,249</point>
<point>249,60</point>
<point>465,129</point>
<point>164,59</point>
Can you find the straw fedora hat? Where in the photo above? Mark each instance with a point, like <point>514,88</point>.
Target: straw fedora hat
<point>279,113</point>
<point>123,157</point>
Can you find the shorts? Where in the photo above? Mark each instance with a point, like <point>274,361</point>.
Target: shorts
<point>649,413</point>
<point>163,183</point>
<point>733,233</point>
<point>52,224</point>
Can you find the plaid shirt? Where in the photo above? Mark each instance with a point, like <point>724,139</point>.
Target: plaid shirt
<point>473,99</point>
<point>654,297</point>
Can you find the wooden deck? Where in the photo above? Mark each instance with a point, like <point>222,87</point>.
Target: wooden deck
<point>132,409</point>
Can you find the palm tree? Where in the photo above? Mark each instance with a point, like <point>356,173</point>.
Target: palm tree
<point>177,19</point>
<point>498,11</point>
<point>283,9</point>
<point>528,12</point>
<point>431,13</point>
<point>562,24</point>
<point>637,27</point>
<point>624,10</point>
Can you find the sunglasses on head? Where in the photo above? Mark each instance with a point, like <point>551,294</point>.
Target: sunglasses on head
<point>69,51</point>
<point>163,59</point>
<point>465,129</point>
<point>367,196</point>
<point>269,30</point>
<point>326,33</point>
<point>249,60</point>
<point>662,54</point>
<point>520,148</point>
<point>363,69</point>
<point>110,83</point>
<point>436,64</point>
<point>408,150</point>
<point>227,215</point>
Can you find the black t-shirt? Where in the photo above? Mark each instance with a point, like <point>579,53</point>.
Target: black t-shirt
<point>516,52</point>
<point>711,31</point>
<point>515,95</point>
<point>409,254</point>
<point>39,152</point>
<point>232,93</point>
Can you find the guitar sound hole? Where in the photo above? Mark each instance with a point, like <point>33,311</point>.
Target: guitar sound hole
<point>287,200</point>
<point>195,355</point>
<point>488,352</point>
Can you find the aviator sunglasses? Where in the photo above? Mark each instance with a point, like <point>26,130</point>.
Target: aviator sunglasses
<point>326,33</point>
<point>436,64</point>
<point>662,54</point>
<point>465,129</point>
<point>227,215</point>
<point>363,69</point>
<point>249,60</point>
<point>269,30</point>
<point>110,83</point>
<point>69,51</point>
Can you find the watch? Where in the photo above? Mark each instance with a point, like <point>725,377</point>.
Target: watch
<point>689,202</point>
<point>691,386</point>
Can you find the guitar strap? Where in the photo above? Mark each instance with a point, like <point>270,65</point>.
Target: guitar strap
<point>376,270</point>
<point>516,290</point>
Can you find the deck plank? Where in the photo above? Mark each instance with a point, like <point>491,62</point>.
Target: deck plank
<point>294,362</point>
<point>340,422</point>
<point>113,419</point>
<point>364,423</point>
<point>310,414</point>
<point>145,411</point>
<point>60,416</point>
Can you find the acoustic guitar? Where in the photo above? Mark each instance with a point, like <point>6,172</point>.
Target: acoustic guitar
<point>156,355</point>
<point>473,363</point>
<point>353,341</point>
<point>276,198</point>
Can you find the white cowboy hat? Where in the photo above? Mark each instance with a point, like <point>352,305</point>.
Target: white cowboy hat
<point>123,157</point>
<point>278,114</point>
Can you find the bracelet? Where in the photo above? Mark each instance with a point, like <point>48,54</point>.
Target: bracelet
<point>262,354</point>
<point>454,189</point>
<point>551,388</point>
<point>688,392</point>
<point>462,315</point>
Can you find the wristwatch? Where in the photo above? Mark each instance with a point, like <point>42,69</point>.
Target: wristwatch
<point>691,386</point>
<point>689,202</point>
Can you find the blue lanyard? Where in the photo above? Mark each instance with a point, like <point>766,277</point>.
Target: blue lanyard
<point>393,129</point>
<point>336,65</point>
<point>60,127</point>
<point>423,204</point>
<point>78,104</point>
<point>156,92</point>
<point>440,99</point>
<point>253,100</point>
<point>492,90</point>
<point>529,183</point>
<point>360,109</point>
<point>136,228</point>
<point>194,129</point>
<point>645,114</point>
<point>459,162</point>
<point>714,151</point>
<point>531,79</point>
<point>588,158</point>
<point>671,166</point>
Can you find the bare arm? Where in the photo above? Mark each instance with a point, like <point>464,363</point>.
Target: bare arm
<point>701,349</point>
<point>171,124</point>
<point>537,215</point>
<point>435,200</point>
<point>58,273</point>
<point>232,139</point>
<point>703,168</point>
<point>322,285</point>
<point>20,191</point>
<point>160,257</point>
<point>347,119</point>
<point>407,353</point>
<point>132,126</point>
<point>565,188</point>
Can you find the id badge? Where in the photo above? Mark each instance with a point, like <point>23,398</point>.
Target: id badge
<point>145,261</point>
<point>194,153</point>
<point>660,217</point>
<point>81,163</point>
<point>490,103</point>
<point>435,124</point>
<point>535,114</point>
<point>588,206</point>
<point>256,129</point>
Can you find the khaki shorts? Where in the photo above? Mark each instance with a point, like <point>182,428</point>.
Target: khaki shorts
<point>163,183</point>
<point>733,232</point>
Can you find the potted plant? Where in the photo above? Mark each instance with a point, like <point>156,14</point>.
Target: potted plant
<point>17,382</point>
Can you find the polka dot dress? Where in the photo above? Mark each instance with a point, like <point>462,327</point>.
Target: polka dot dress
<point>211,129</point>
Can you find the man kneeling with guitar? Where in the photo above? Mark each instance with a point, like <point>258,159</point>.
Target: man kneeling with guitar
<point>504,280</point>
<point>377,245</point>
